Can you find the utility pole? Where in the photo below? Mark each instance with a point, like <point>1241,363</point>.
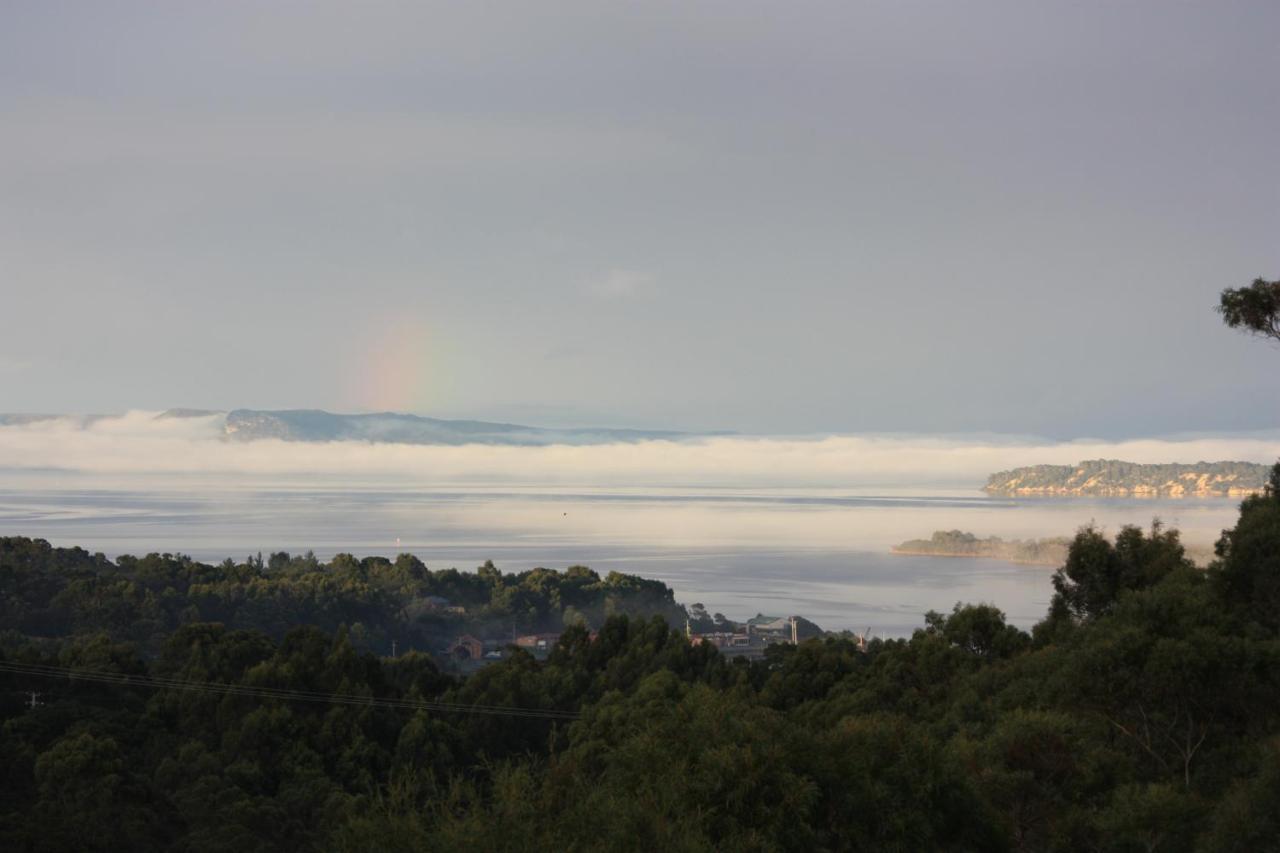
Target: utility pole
<point>34,701</point>
<point>393,648</point>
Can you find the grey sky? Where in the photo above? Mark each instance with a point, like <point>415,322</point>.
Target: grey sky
<point>770,217</point>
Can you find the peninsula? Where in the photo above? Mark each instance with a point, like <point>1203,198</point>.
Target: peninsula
<point>1051,551</point>
<point>1114,478</point>
<point>958,543</point>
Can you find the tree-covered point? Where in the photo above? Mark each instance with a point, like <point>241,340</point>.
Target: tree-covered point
<point>1138,716</point>
<point>54,592</point>
<point>959,543</point>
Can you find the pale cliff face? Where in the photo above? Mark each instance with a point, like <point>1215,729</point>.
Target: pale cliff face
<point>1105,478</point>
<point>1167,490</point>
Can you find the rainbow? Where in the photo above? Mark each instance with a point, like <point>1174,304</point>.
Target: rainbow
<point>399,369</point>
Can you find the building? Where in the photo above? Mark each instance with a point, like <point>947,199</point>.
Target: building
<point>538,644</point>
<point>466,648</point>
<point>783,629</point>
<point>538,641</point>
<point>752,640</point>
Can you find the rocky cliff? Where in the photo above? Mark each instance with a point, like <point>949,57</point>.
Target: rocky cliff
<point>1114,478</point>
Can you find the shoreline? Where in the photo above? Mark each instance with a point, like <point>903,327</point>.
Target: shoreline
<point>1201,556</point>
<point>915,553</point>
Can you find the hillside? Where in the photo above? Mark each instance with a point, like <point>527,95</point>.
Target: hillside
<point>62,592</point>
<point>1114,478</point>
<point>392,427</point>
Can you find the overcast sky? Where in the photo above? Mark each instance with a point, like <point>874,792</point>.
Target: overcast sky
<point>765,217</point>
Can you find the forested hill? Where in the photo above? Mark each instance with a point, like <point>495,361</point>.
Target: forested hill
<point>1138,715</point>
<point>56,592</point>
<point>1114,478</point>
<point>317,425</point>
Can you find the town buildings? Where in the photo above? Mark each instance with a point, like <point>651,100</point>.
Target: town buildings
<point>756,635</point>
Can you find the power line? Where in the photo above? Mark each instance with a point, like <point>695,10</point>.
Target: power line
<point>286,694</point>
<point>160,682</point>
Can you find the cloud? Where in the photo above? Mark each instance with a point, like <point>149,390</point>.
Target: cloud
<point>139,443</point>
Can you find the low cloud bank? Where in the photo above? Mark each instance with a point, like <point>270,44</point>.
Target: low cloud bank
<point>140,443</point>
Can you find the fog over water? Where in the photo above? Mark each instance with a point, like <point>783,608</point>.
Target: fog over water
<point>741,524</point>
<point>141,443</point>
<point>821,554</point>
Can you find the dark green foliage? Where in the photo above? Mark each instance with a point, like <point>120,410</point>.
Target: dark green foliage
<point>50,592</point>
<point>1141,717</point>
<point>1248,570</point>
<point>1255,308</point>
<point>979,630</point>
<point>1246,818</point>
<point>1098,571</point>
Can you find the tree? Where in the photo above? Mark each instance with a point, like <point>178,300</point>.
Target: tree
<point>88,800</point>
<point>1030,768</point>
<point>1163,671</point>
<point>978,629</point>
<point>1149,818</point>
<point>1246,817</point>
<point>1248,571</point>
<point>1256,308</point>
<point>1096,572</point>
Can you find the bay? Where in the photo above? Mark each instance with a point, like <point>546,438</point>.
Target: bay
<point>820,553</point>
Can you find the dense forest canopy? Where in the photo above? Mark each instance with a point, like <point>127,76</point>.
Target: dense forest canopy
<point>1138,715</point>
<point>52,592</point>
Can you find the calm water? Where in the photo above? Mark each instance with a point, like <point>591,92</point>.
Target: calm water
<point>819,553</point>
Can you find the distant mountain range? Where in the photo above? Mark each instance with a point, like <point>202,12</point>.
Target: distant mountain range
<point>1114,478</point>
<point>392,427</point>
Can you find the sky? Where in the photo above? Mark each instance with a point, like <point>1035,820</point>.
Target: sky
<point>773,218</point>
